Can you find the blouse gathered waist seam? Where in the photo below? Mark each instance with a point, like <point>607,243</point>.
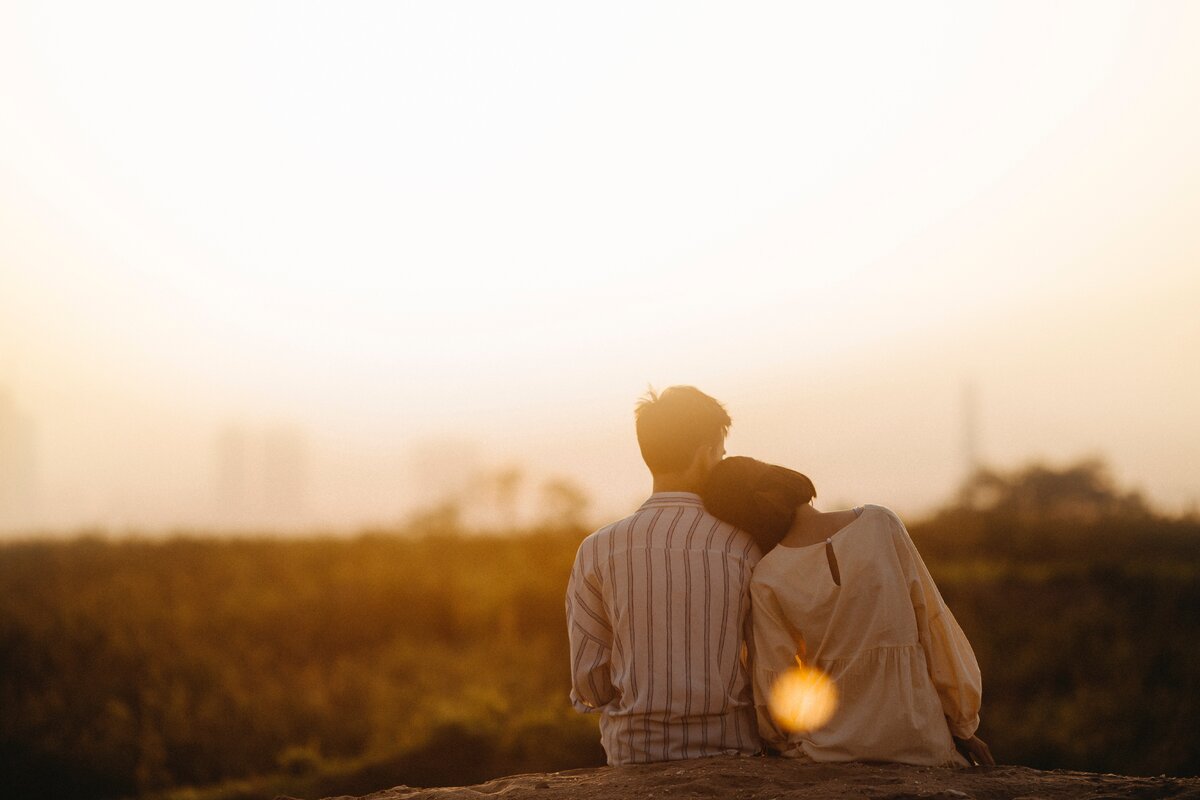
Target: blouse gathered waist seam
<point>886,649</point>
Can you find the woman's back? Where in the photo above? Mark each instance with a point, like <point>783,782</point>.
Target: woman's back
<point>863,609</point>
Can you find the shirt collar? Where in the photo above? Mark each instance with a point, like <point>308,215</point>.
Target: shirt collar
<point>663,499</point>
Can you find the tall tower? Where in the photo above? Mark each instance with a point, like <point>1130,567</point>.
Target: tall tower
<point>971,462</point>
<point>970,415</point>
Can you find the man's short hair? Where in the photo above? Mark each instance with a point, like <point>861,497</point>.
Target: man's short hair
<point>671,426</point>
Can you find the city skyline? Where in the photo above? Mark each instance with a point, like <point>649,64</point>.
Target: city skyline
<point>268,478</point>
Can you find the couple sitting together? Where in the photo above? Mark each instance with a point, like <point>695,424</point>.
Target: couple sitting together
<point>682,616</point>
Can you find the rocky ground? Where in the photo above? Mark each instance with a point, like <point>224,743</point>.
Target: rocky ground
<point>777,779</point>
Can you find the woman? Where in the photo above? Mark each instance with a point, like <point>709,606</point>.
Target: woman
<point>847,592</point>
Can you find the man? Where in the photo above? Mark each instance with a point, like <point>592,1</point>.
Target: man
<point>658,603</point>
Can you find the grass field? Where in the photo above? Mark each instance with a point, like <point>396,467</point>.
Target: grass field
<point>199,667</point>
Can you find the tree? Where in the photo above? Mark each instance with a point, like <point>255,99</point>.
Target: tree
<point>563,503</point>
<point>1080,492</point>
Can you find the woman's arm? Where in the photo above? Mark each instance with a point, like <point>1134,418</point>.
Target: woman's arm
<point>776,645</point>
<point>951,661</point>
<point>975,750</point>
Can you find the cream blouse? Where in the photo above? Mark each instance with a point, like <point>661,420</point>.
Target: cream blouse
<point>905,672</point>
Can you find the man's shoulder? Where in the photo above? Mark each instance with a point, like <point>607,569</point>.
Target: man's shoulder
<point>651,515</point>
<point>692,528</point>
<point>602,533</point>
<point>644,515</point>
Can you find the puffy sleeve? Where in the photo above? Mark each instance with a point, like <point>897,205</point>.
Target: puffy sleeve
<point>590,634</point>
<point>775,648</point>
<point>952,665</point>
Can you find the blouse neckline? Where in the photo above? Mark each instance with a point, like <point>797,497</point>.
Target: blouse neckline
<point>858,513</point>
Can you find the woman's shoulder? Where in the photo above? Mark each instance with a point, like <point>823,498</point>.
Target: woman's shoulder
<point>884,522</point>
<point>889,531</point>
<point>881,514</point>
<point>781,565</point>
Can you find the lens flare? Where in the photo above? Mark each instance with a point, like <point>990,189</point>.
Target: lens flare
<point>803,699</point>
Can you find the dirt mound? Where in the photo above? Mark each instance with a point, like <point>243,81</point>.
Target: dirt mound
<point>777,779</point>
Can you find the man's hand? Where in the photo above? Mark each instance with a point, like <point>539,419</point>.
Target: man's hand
<point>976,751</point>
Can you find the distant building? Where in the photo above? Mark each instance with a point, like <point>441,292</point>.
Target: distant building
<point>284,468</point>
<point>260,477</point>
<point>231,493</point>
<point>18,463</point>
<point>443,470</point>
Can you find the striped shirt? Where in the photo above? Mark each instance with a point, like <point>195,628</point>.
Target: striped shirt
<point>658,611</point>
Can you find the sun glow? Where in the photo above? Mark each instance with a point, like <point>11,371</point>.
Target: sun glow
<point>803,699</point>
<point>405,223</point>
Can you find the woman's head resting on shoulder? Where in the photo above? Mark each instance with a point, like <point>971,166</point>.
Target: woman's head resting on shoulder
<point>757,497</point>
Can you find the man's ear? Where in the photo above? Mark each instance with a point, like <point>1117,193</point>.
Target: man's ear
<point>700,455</point>
<point>704,459</point>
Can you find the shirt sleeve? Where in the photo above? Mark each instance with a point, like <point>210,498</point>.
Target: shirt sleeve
<point>948,654</point>
<point>590,634</point>
<point>774,650</point>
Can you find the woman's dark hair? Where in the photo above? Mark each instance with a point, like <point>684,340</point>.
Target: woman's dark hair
<point>759,498</point>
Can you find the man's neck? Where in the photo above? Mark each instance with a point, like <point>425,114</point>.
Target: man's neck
<point>675,483</point>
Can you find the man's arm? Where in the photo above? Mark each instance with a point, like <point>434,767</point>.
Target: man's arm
<point>590,634</point>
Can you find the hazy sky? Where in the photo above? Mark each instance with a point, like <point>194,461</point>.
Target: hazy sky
<point>389,230</point>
